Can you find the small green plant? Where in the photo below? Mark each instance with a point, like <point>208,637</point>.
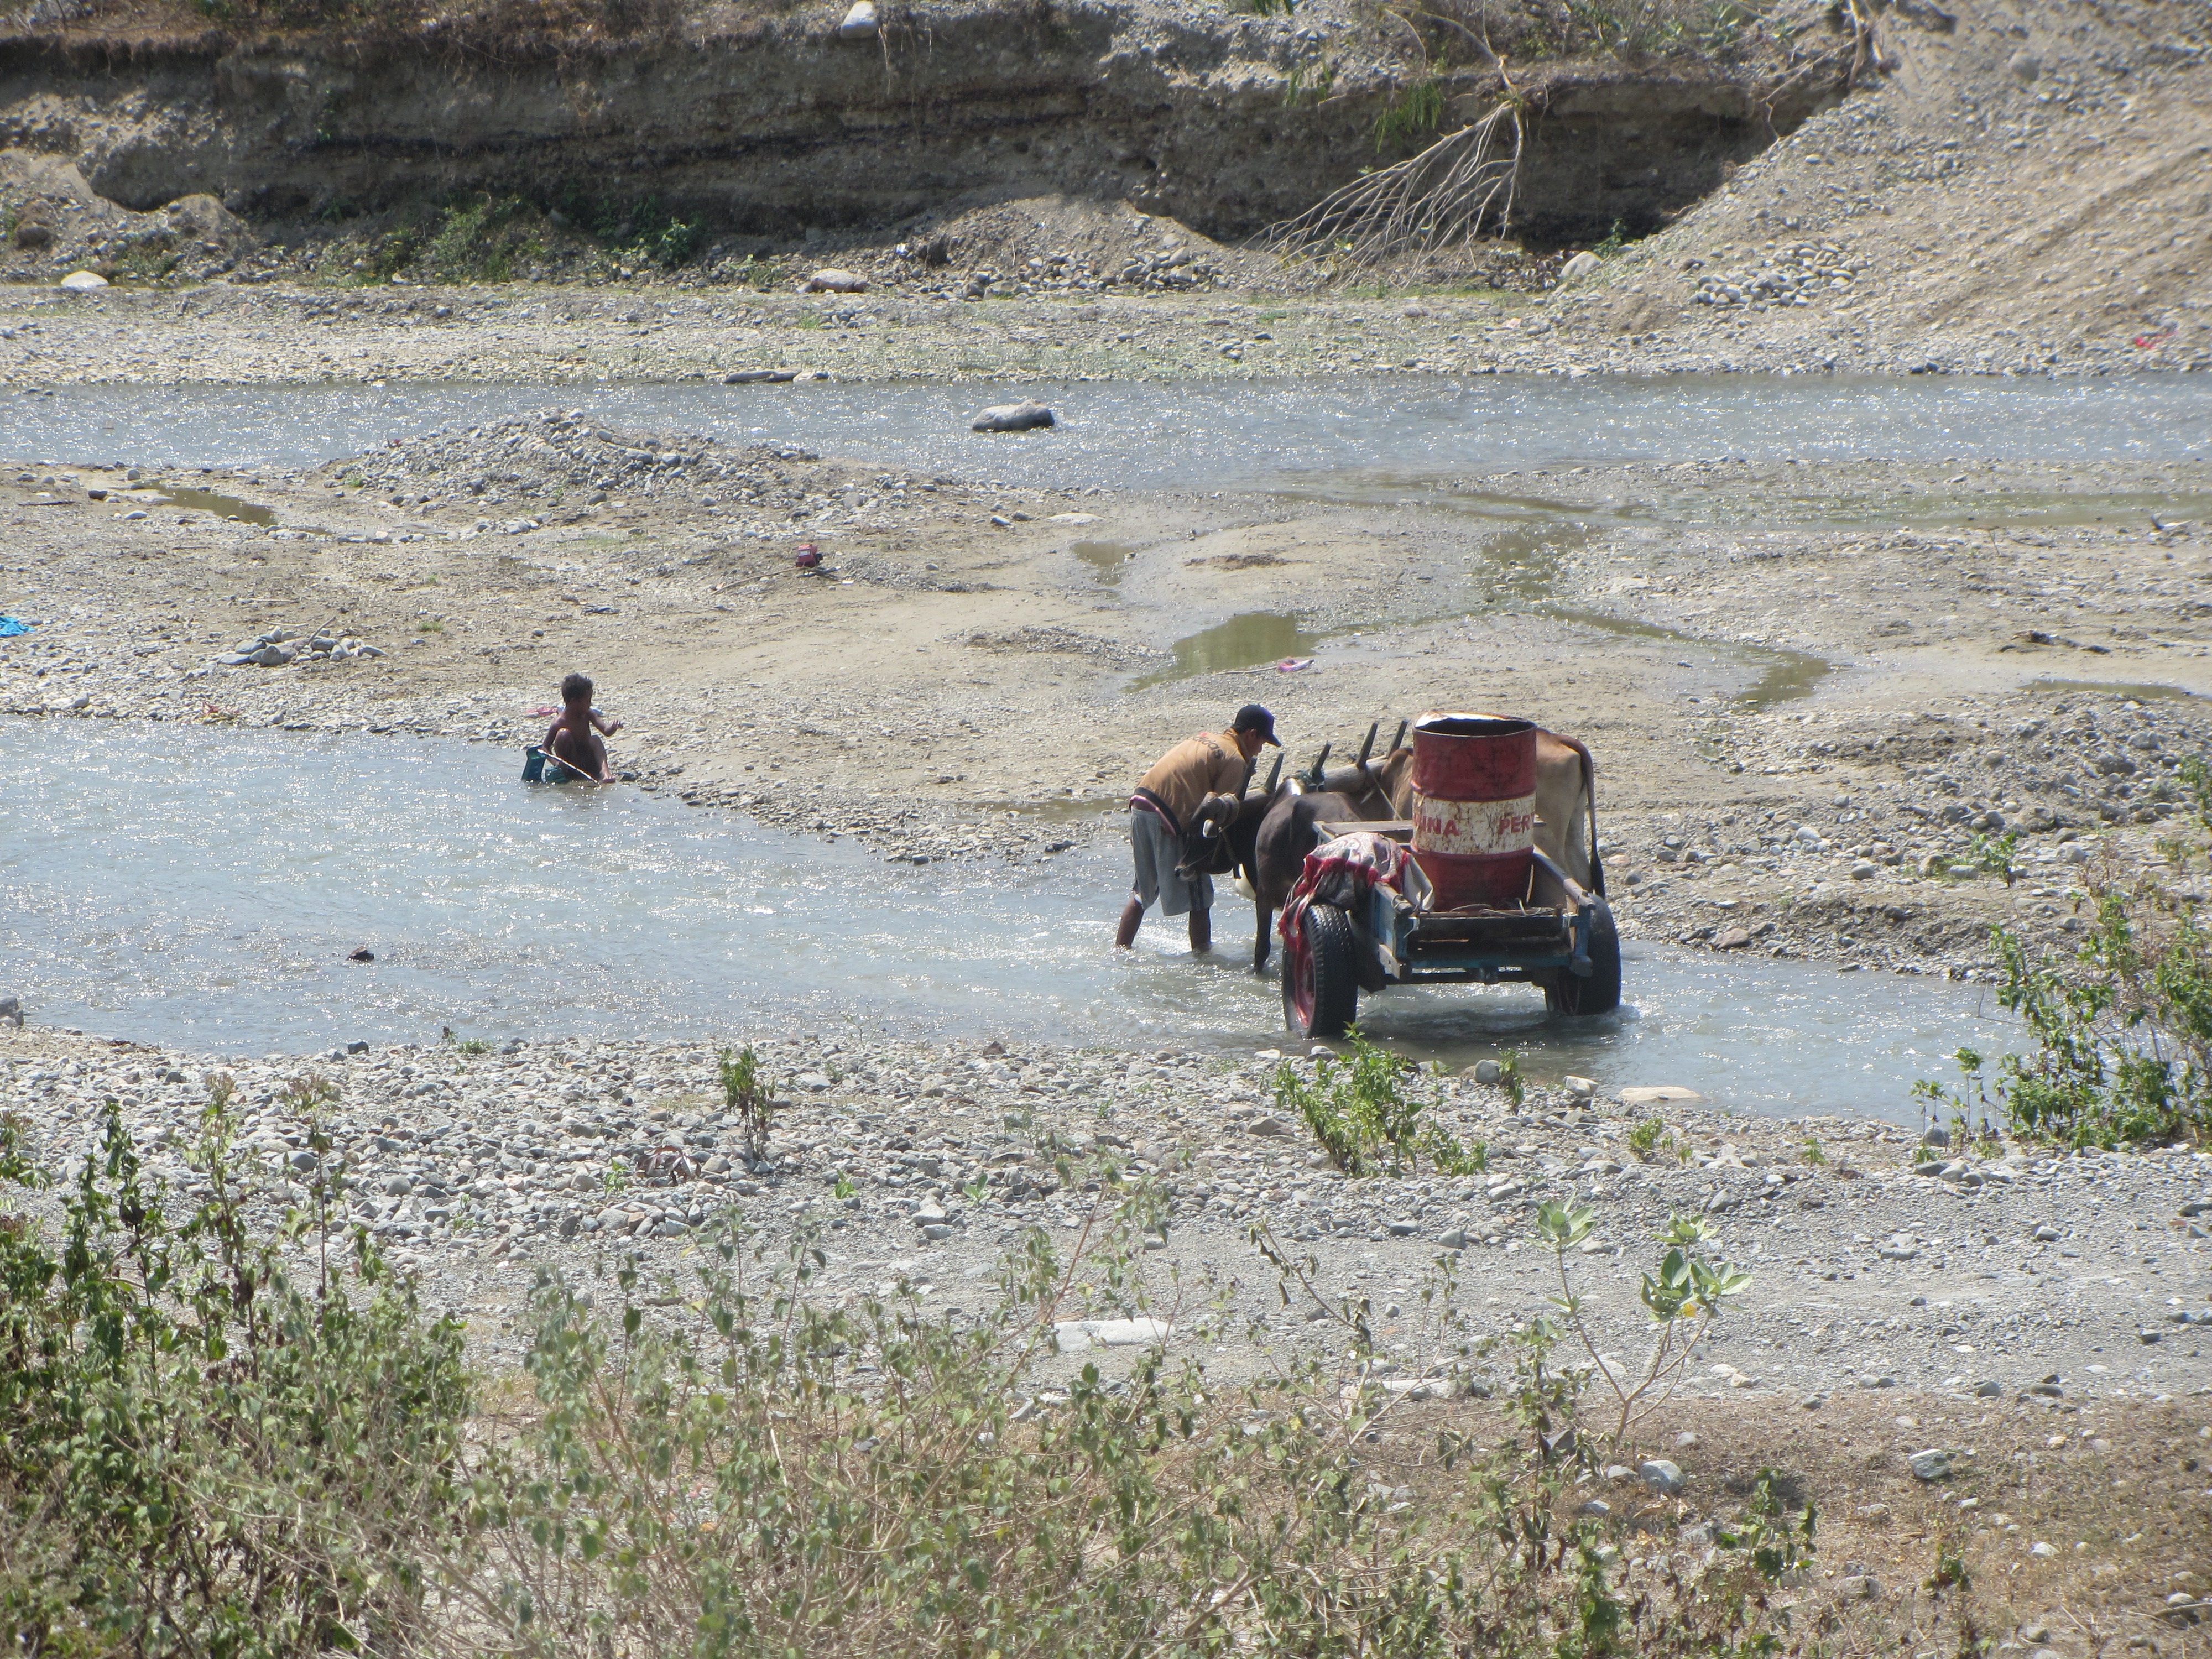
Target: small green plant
<point>1645,1140</point>
<point>1683,1300</point>
<point>843,1187</point>
<point>1815,1153</point>
<point>1778,1542</point>
<point>1509,1080</point>
<point>746,1092</point>
<point>614,1182</point>
<point>1615,240</point>
<point>1950,1572</point>
<point>1308,83</point>
<point>1361,1110</point>
<point>1992,855</point>
<point>1411,115</point>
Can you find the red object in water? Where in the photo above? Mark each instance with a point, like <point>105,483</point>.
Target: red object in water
<point>810,555</point>
<point>1474,807</point>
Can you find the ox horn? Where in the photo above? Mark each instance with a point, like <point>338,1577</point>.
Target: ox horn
<point>1398,742</point>
<point>1311,776</point>
<point>1367,747</point>
<point>1274,773</point>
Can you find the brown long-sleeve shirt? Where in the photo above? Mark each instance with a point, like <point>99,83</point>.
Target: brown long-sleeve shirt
<point>1194,768</point>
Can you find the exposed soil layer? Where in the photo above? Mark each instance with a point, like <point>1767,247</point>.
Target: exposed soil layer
<point>771,125</point>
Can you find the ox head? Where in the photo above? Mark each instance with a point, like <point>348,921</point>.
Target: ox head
<point>1219,836</point>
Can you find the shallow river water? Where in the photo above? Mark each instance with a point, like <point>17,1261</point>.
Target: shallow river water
<point>203,888</point>
<point>1202,435</point>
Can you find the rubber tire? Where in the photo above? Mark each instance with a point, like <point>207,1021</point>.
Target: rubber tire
<point>1570,993</point>
<point>1323,1002</point>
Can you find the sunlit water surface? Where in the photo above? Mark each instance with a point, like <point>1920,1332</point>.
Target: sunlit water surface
<point>203,888</point>
<point>1180,435</point>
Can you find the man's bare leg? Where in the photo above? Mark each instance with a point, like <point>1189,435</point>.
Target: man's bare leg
<point>1126,935</point>
<point>1202,932</point>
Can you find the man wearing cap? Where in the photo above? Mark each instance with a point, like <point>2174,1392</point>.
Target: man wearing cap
<point>1180,783</point>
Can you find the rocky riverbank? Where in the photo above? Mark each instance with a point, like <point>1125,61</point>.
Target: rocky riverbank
<point>1882,1262</point>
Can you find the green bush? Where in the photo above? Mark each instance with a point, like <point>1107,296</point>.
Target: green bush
<point>200,1455</point>
<point>2122,1035</point>
<point>202,1458</point>
<point>1360,1109</point>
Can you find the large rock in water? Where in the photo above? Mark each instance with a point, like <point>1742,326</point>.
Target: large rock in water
<point>860,21</point>
<point>1011,418</point>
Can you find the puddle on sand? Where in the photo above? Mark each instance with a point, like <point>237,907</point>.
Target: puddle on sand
<point>2117,688</point>
<point>202,888</point>
<point>1242,642</point>
<point>206,501</point>
<point>1794,675</point>
<point>1106,558</point>
<point>1786,676</point>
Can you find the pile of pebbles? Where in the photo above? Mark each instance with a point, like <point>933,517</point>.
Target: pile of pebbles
<point>925,1161</point>
<point>1792,277</point>
<point>280,647</point>
<point>1874,873</point>
<point>562,459</point>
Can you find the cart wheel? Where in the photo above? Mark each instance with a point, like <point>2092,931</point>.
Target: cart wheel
<point>1321,985</point>
<point>1570,993</point>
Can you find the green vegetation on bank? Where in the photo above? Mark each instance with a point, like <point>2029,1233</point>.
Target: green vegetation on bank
<point>262,1449</point>
<point>485,238</point>
<point>2124,1032</point>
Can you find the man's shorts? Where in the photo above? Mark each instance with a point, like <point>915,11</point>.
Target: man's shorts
<point>1157,851</point>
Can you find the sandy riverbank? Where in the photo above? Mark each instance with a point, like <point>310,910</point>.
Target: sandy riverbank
<point>983,672</point>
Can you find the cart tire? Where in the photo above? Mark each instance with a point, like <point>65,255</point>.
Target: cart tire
<point>1321,985</point>
<point>1571,993</point>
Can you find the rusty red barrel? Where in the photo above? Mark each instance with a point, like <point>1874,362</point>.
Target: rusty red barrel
<point>1474,807</point>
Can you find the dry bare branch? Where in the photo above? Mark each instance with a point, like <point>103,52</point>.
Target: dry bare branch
<point>1436,199</point>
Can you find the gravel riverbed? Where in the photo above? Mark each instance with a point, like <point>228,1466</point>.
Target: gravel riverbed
<point>1880,1262</point>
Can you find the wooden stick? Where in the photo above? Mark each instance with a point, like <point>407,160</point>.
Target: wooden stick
<point>582,776</point>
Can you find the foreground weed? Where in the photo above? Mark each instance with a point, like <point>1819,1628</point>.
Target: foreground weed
<point>1683,1298</point>
<point>202,1455</point>
<point>1362,1111</point>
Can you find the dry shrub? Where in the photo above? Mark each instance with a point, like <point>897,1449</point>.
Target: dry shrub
<point>755,1473</point>
<point>1524,32</point>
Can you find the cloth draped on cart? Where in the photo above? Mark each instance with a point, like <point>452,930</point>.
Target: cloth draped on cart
<point>1342,872</point>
